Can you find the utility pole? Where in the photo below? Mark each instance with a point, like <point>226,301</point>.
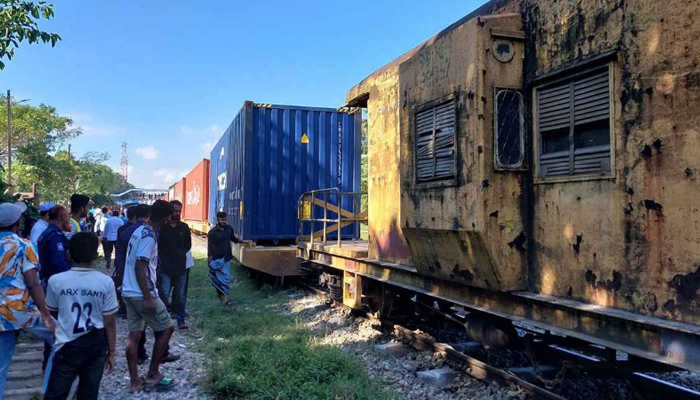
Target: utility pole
<point>9,141</point>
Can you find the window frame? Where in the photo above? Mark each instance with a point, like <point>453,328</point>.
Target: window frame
<point>522,165</point>
<point>567,76</point>
<point>447,182</point>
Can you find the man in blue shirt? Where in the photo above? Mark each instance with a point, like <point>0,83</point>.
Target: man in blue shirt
<point>53,246</point>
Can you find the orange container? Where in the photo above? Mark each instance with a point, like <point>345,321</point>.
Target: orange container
<point>197,193</point>
<point>177,192</point>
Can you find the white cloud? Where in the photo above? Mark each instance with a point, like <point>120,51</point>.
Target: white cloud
<point>207,147</point>
<point>214,129</point>
<point>169,176</point>
<point>148,153</point>
<point>92,128</point>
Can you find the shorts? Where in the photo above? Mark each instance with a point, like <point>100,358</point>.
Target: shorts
<point>137,317</point>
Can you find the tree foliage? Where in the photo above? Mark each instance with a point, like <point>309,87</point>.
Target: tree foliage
<point>19,22</point>
<point>40,133</point>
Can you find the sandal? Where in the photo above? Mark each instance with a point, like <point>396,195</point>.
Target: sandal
<point>141,387</point>
<point>163,385</point>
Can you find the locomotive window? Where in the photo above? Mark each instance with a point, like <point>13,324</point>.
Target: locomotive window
<point>509,125</point>
<point>435,142</point>
<point>573,124</point>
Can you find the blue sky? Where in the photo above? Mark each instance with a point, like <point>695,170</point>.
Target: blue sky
<point>167,77</point>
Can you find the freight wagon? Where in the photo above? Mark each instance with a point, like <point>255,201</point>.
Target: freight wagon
<point>268,157</point>
<point>195,201</point>
<point>536,162</point>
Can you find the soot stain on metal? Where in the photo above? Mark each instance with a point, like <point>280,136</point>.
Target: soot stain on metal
<point>519,242</point>
<point>614,285</point>
<point>591,278</point>
<point>577,245</point>
<point>686,285</point>
<point>651,205</point>
<point>464,273</point>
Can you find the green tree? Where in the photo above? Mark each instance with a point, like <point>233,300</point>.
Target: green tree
<point>19,22</point>
<point>39,135</point>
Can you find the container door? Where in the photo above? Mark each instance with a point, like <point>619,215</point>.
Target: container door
<point>218,180</point>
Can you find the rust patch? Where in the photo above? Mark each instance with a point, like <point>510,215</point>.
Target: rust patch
<point>686,285</point>
<point>519,242</point>
<point>644,302</point>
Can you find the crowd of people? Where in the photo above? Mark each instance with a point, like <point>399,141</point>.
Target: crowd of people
<point>50,287</point>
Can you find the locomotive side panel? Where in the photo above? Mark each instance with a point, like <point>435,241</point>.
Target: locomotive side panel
<point>628,240</point>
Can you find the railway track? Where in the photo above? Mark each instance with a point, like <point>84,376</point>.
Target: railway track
<point>522,377</point>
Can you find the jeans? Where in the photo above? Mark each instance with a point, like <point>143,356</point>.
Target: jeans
<point>179,286</point>
<point>8,339</point>
<point>82,358</point>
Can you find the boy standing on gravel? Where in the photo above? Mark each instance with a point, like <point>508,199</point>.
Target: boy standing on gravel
<point>86,336</point>
<point>143,306</point>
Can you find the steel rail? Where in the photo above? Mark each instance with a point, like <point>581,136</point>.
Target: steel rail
<point>475,368</point>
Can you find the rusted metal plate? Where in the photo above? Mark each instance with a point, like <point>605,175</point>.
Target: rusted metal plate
<point>669,342</point>
<point>275,261</point>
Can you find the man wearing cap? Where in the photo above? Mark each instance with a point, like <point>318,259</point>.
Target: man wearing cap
<point>41,225</point>
<point>20,292</point>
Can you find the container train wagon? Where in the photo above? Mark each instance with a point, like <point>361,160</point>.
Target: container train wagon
<point>536,162</point>
<point>267,157</point>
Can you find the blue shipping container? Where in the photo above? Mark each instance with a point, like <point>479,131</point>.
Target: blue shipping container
<point>270,155</point>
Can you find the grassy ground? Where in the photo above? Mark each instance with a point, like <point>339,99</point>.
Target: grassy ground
<point>258,352</point>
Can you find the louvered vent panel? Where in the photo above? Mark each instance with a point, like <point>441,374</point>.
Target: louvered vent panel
<point>592,159</point>
<point>435,143</point>
<point>592,98</point>
<point>554,107</point>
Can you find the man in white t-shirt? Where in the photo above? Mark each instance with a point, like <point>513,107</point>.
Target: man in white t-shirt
<point>86,301</point>
<point>109,236</point>
<point>143,306</point>
<point>41,225</point>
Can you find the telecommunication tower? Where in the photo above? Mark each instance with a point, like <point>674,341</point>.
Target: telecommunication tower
<point>125,163</point>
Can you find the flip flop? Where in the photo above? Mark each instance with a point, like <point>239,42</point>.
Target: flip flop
<point>163,385</point>
<point>141,387</point>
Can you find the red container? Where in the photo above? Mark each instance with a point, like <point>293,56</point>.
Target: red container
<point>177,192</point>
<point>197,193</point>
<point>166,197</point>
